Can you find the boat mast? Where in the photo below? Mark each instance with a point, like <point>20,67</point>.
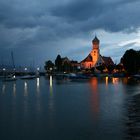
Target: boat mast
<point>13,63</point>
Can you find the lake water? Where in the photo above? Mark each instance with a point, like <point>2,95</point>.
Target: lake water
<point>64,110</point>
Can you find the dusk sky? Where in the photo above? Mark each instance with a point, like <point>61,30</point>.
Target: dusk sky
<point>38,30</point>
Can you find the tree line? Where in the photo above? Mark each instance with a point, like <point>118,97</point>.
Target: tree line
<point>61,65</point>
<point>131,61</point>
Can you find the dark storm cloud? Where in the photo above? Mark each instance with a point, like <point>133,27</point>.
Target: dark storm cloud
<point>33,27</point>
<point>112,16</point>
<point>76,15</point>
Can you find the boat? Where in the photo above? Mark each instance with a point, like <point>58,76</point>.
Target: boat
<point>136,76</point>
<point>120,75</point>
<point>28,77</point>
<point>78,77</point>
<point>12,78</point>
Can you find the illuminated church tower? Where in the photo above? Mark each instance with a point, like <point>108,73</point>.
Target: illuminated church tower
<point>95,53</point>
<point>92,60</point>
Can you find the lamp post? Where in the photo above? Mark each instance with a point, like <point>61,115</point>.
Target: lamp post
<point>37,73</point>
<point>25,70</point>
<point>38,69</point>
<point>4,69</point>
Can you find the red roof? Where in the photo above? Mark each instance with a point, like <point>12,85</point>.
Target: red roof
<point>87,59</point>
<point>108,60</point>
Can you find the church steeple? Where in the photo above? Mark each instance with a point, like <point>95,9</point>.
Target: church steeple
<point>95,43</point>
<point>96,40</point>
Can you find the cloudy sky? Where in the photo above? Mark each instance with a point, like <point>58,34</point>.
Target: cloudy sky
<point>38,30</point>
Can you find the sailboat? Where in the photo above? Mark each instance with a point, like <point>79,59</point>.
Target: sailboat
<point>12,76</point>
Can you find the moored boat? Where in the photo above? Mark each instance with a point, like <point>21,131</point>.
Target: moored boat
<point>28,77</point>
<point>12,78</point>
<point>78,77</point>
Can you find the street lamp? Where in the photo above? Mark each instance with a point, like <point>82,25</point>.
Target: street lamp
<point>4,74</point>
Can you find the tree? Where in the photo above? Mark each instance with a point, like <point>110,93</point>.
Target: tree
<point>100,68</point>
<point>110,68</point>
<point>119,67</point>
<point>66,66</point>
<point>48,65</point>
<point>58,63</point>
<point>131,61</point>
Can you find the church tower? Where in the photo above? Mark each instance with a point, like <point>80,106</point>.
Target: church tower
<point>95,53</point>
<point>94,59</point>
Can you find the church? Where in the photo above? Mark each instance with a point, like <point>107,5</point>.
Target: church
<point>94,59</point>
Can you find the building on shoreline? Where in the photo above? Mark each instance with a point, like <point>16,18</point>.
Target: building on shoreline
<point>94,59</point>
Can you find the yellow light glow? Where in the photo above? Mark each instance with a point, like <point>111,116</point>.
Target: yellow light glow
<point>106,80</point>
<point>115,81</point>
<point>51,82</point>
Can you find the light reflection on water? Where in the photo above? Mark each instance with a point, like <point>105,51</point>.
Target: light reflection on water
<point>38,85</point>
<point>115,81</point>
<point>38,100</point>
<point>106,81</point>
<point>55,108</point>
<point>51,103</point>
<point>3,88</point>
<point>25,88</point>
<point>14,89</point>
<point>95,97</point>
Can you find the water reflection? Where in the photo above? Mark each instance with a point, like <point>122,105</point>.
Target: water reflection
<point>25,88</point>
<point>125,80</point>
<point>25,101</point>
<point>44,109</point>
<point>106,80</point>
<point>3,88</point>
<point>115,81</point>
<point>14,89</point>
<point>38,85</point>
<point>51,104</point>
<point>51,81</point>
<point>95,97</point>
<point>51,94</point>
<point>38,102</point>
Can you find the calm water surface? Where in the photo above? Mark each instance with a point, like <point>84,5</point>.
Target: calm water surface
<point>63,110</point>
